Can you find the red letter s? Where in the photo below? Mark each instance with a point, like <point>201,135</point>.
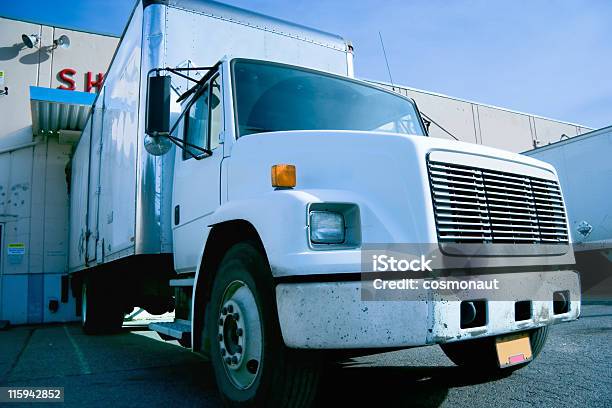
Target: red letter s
<point>65,76</point>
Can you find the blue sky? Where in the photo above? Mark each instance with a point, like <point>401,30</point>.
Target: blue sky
<point>552,58</point>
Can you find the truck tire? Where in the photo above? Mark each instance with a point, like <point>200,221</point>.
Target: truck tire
<point>480,354</point>
<point>252,366</point>
<point>100,313</point>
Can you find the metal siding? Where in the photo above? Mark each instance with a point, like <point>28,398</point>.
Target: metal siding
<point>504,130</point>
<point>187,32</point>
<point>37,214</point>
<point>491,125</point>
<point>18,205</point>
<point>56,208</point>
<point>93,192</point>
<point>149,194</point>
<point>117,205</point>
<point>5,166</point>
<point>16,168</point>
<point>14,298</point>
<point>455,116</point>
<point>45,67</point>
<point>55,109</point>
<point>20,65</point>
<point>35,298</point>
<point>548,131</point>
<point>238,16</point>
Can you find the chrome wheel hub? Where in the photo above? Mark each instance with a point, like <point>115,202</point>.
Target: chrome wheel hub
<point>239,334</point>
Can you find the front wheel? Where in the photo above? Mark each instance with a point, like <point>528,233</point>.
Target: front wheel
<point>480,354</point>
<point>251,363</point>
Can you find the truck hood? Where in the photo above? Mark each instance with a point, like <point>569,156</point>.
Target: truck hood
<point>384,173</point>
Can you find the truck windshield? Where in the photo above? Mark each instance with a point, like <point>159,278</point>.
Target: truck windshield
<point>272,97</point>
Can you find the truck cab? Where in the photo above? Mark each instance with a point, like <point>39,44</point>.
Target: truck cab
<point>287,181</point>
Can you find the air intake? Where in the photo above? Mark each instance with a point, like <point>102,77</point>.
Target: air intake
<point>474,205</point>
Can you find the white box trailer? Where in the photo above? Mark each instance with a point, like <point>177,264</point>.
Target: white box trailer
<point>585,173</point>
<point>234,171</point>
<point>121,201</point>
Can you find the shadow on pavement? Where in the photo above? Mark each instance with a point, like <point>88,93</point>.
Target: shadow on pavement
<point>422,386</point>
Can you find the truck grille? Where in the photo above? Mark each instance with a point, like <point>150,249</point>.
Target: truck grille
<point>474,205</point>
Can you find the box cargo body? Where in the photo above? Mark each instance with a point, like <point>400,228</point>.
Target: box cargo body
<point>120,205</point>
<point>585,173</point>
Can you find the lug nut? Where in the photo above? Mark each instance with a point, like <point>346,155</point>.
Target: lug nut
<point>252,366</point>
<point>230,308</point>
<point>239,332</point>
<point>234,360</point>
<point>236,316</point>
<point>224,311</point>
<point>228,360</point>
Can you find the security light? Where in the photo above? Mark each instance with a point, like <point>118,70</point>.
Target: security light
<point>62,42</point>
<point>31,40</point>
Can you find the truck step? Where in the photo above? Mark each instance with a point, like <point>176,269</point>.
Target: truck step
<point>178,330</point>
<point>183,282</point>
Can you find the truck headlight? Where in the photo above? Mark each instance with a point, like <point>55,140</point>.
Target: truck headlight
<point>326,227</point>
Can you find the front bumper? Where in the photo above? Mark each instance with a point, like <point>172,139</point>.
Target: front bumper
<point>332,315</point>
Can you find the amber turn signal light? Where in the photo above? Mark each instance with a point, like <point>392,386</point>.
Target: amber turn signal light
<point>283,176</point>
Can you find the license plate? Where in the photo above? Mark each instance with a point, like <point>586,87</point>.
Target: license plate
<point>513,349</point>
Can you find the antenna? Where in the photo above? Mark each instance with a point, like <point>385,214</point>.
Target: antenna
<point>438,125</point>
<point>385,54</point>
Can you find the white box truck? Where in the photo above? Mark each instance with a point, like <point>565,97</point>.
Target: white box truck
<point>585,174</point>
<point>233,170</point>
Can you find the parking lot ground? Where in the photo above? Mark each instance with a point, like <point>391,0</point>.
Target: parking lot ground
<point>135,368</point>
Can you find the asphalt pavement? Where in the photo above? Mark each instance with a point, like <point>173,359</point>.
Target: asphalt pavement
<point>135,368</point>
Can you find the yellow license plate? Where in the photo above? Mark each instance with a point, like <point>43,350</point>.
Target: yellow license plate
<point>513,349</point>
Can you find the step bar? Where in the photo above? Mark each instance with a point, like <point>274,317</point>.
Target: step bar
<point>177,330</point>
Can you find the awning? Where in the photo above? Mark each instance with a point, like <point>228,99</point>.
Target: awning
<point>59,110</point>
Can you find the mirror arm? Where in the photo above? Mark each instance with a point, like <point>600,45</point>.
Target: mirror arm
<point>178,71</point>
<point>181,144</point>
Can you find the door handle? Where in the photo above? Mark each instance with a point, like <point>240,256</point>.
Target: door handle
<point>177,214</point>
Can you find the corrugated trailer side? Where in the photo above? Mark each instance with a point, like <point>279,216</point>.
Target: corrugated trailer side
<point>585,172</point>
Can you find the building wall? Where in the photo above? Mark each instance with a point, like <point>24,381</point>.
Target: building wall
<point>40,66</point>
<point>488,125</point>
<point>34,219</point>
<point>33,189</point>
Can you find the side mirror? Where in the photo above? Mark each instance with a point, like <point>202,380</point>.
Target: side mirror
<point>157,115</point>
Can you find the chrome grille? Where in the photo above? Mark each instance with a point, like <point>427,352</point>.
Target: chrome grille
<point>475,205</point>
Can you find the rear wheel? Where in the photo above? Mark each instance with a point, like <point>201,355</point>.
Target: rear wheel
<point>99,312</point>
<point>480,354</point>
<point>251,363</point>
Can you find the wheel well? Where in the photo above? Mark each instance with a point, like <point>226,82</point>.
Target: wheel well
<point>222,237</point>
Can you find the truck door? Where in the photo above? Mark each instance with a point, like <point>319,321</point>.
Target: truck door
<point>96,147</point>
<point>197,185</point>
